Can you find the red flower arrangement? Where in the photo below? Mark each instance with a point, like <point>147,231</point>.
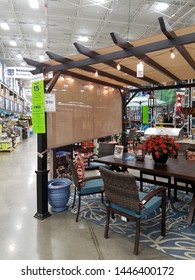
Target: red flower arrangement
<point>160,144</point>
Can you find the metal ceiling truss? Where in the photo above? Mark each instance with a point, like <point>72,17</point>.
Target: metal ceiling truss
<point>128,50</point>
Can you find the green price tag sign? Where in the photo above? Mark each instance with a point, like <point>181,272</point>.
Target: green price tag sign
<point>38,107</point>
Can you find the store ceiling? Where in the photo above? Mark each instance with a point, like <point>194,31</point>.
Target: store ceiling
<point>62,22</point>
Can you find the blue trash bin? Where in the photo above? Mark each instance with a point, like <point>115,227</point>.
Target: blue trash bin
<point>59,193</point>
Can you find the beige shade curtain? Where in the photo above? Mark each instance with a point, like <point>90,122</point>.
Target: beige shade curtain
<point>83,111</point>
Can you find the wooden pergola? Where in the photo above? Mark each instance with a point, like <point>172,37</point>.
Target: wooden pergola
<point>160,72</point>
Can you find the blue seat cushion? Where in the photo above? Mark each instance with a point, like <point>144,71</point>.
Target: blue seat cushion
<point>92,186</point>
<point>97,164</point>
<point>150,206</point>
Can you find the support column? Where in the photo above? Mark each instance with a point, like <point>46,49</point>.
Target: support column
<point>124,122</point>
<point>42,178</point>
<point>42,172</point>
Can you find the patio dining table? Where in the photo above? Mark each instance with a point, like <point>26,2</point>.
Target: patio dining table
<point>178,168</point>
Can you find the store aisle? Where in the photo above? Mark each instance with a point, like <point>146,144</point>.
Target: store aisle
<point>23,237</point>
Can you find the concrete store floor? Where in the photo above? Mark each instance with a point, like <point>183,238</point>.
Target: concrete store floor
<point>23,237</point>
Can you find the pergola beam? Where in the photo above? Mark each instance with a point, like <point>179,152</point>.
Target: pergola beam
<point>73,74</point>
<point>54,81</point>
<point>150,88</point>
<point>86,51</point>
<point>93,80</point>
<point>123,44</point>
<point>90,69</point>
<point>171,35</point>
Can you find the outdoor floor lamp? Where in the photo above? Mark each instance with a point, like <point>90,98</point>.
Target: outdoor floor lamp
<point>152,104</point>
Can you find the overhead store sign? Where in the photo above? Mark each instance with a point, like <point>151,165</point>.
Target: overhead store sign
<point>18,72</point>
<point>38,107</point>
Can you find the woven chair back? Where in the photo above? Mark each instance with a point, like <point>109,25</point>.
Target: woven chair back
<point>132,133</point>
<point>105,149</point>
<point>74,172</point>
<point>121,189</point>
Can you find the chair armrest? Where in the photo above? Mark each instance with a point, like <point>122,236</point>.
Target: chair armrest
<point>90,168</point>
<point>151,194</point>
<point>90,178</point>
<point>89,158</point>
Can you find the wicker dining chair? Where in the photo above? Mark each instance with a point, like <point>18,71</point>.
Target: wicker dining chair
<point>123,198</point>
<point>84,185</point>
<point>105,149</point>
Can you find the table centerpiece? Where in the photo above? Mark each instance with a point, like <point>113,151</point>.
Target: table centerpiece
<point>161,147</point>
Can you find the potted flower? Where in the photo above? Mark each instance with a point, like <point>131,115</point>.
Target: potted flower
<point>161,147</point>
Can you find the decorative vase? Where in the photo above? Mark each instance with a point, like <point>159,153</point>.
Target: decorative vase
<point>161,160</point>
<point>59,193</point>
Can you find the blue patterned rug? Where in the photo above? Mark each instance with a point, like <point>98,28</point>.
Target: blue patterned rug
<point>179,241</point>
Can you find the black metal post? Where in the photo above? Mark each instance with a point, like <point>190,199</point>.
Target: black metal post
<point>124,122</point>
<point>42,172</point>
<point>42,176</point>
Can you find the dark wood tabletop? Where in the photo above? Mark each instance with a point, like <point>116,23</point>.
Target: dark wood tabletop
<point>179,167</point>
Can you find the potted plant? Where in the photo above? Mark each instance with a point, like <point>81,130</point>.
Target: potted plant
<point>161,147</point>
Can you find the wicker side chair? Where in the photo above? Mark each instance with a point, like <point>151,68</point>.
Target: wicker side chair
<point>123,198</point>
<point>85,186</point>
<point>105,149</point>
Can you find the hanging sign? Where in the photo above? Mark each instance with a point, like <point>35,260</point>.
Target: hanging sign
<point>145,114</point>
<point>18,72</point>
<point>38,107</point>
<point>50,102</point>
<point>140,70</point>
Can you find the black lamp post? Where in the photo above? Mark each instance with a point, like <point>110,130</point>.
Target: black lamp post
<point>152,103</point>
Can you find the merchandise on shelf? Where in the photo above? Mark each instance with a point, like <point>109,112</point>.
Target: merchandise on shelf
<point>62,166</point>
<point>86,149</point>
<point>5,142</point>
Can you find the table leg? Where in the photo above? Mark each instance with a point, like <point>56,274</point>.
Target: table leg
<point>191,211</point>
<point>141,181</point>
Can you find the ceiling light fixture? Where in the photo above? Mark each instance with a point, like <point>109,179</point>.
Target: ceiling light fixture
<point>98,1</point>
<point>19,56</point>
<point>41,57</point>
<point>34,4</point>
<point>161,6</point>
<point>23,63</point>
<point>96,73</point>
<point>4,26</point>
<point>37,28</point>
<point>83,38</point>
<point>13,43</point>
<point>39,44</point>
<point>172,54</point>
